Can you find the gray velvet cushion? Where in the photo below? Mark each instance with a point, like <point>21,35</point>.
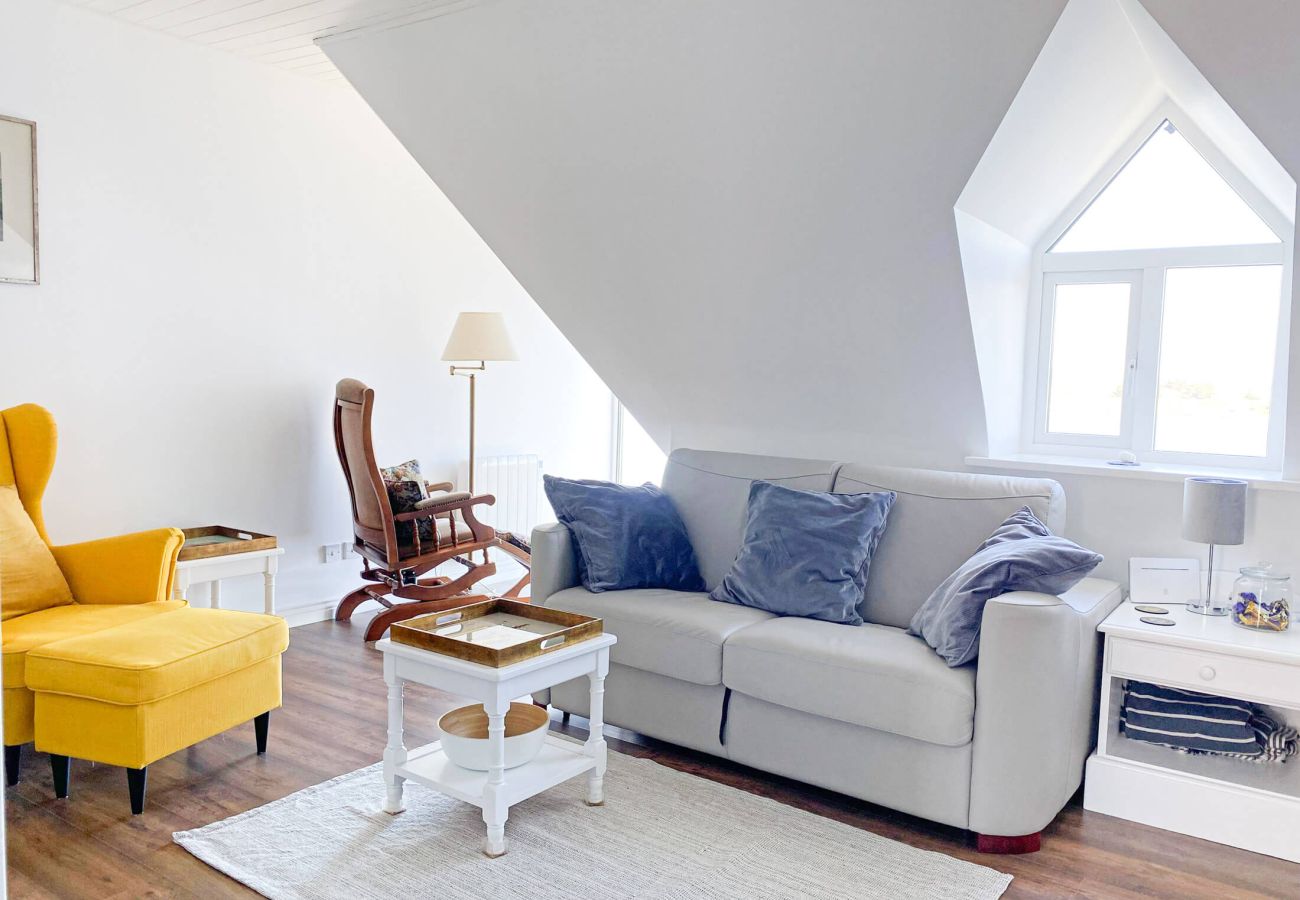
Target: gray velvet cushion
<point>806,553</point>
<point>624,537</point>
<point>1021,555</point>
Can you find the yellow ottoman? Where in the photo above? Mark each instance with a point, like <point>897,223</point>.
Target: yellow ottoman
<point>130,695</point>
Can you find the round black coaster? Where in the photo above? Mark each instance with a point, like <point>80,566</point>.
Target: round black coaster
<point>1157,620</point>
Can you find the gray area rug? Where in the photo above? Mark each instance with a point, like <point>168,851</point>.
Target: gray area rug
<point>661,834</point>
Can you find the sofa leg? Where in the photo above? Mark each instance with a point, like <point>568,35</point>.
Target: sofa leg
<point>135,782</point>
<point>60,768</point>
<point>261,724</point>
<point>996,843</point>
<point>13,753</point>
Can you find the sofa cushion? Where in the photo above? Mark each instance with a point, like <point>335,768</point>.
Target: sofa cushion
<point>875,676</point>
<point>806,553</point>
<point>711,493</point>
<point>671,633</point>
<point>937,522</point>
<point>1021,555</point>
<point>30,579</point>
<point>156,657</point>
<point>37,629</point>
<point>624,537</point>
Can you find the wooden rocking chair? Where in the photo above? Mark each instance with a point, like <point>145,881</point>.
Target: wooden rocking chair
<point>395,567</point>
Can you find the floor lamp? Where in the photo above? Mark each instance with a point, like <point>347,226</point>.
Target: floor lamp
<point>479,337</point>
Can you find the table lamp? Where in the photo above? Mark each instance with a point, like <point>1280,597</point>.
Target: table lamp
<point>481,337</point>
<point>1214,512</point>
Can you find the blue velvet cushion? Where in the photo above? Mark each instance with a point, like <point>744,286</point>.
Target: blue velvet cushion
<point>625,537</point>
<point>806,553</point>
<point>1021,555</point>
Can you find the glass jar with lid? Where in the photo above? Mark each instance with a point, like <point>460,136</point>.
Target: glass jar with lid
<point>1261,598</point>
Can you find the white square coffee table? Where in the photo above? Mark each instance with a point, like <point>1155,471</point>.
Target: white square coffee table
<point>497,789</point>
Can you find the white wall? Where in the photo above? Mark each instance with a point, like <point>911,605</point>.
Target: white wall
<point>220,242</point>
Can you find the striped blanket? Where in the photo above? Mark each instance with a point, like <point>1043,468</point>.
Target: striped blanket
<point>1202,723</point>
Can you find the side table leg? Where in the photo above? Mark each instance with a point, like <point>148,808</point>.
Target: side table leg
<point>495,809</point>
<point>268,584</point>
<point>595,746</point>
<point>214,595</point>
<point>181,588</point>
<point>395,752</point>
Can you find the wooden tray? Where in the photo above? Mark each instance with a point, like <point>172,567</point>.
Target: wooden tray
<point>218,540</point>
<point>496,632</point>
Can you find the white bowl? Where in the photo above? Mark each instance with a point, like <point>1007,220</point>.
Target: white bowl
<point>465,735</point>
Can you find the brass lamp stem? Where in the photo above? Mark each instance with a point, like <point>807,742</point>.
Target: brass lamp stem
<point>471,373</point>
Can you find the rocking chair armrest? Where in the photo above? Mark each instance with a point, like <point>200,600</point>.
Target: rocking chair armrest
<point>439,509</point>
<point>439,486</point>
<point>465,507</point>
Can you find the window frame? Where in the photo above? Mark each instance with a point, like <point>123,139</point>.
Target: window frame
<point>1147,268</point>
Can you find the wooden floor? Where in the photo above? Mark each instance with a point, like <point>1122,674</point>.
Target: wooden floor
<point>333,722</point>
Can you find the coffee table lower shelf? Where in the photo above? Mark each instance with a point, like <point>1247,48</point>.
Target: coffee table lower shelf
<point>559,760</point>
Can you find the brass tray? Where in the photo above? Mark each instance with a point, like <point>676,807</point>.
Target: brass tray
<point>218,540</point>
<point>496,632</point>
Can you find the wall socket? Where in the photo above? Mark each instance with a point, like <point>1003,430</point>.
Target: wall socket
<point>331,553</point>
<point>349,550</point>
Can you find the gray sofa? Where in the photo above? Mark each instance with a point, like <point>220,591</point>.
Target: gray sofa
<point>997,747</point>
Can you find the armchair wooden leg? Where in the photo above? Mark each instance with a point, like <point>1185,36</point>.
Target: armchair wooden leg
<point>13,755</point>
<point>343,612</point>
<point>261,724</point>
<point>135,783</point>
<point>60,769</point>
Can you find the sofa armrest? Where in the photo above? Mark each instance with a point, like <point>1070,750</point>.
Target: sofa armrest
<point>554,566</point>
<point>1035,704</point>
<point>129,568</point>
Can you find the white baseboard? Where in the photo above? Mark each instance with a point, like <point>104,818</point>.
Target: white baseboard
<point>310,613</point>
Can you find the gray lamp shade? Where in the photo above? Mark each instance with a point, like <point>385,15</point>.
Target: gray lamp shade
<point>1214,510</point>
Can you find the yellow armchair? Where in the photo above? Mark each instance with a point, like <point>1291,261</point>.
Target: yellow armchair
<point>113,581</point>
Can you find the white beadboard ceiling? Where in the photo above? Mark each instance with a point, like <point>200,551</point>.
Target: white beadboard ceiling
<point>278,32</point>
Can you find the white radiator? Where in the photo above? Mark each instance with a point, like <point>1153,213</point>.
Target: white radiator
<point>516,482</point>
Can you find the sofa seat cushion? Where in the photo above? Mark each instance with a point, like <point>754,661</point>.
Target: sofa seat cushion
<point>154,658</point>
<point>671,633</point>
<point>875,676</point>
<point>58,623</point>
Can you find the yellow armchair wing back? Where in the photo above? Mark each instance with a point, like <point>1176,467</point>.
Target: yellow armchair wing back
<point>131,568</point>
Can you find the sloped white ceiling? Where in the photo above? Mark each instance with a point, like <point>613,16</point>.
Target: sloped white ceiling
<point>741,214</point>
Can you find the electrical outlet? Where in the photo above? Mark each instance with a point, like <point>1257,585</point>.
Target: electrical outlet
<point>331,553</point>
<point>349,549</point>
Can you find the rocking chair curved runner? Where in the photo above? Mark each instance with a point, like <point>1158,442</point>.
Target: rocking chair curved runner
<point>395,566</point>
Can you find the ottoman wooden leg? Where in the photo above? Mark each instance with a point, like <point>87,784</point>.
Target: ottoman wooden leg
<point>13,753</point>
<point>261,724</point>
<point>59,767</point>
<point>135,779</point>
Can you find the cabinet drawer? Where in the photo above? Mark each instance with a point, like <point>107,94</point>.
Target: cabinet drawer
<point>1211,673</point>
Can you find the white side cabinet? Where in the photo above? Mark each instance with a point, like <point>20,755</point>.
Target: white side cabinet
<point>1255,806</point>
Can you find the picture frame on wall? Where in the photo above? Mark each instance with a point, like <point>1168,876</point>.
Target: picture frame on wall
<point>19,226</point>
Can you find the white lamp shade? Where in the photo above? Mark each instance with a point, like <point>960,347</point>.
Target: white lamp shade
<point>1214,510</point>
<point>480,335</point>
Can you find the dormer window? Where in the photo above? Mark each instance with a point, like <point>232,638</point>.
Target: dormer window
<point>1160,318</point>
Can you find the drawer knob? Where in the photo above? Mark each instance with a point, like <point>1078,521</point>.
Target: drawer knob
<point>1207,673</point>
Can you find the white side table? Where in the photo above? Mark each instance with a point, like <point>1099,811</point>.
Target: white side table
<point>497,789</point>
<point>266,563</point>
<point>1255,806</point>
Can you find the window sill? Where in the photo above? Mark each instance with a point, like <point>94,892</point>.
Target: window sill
<point>1260,480</point>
